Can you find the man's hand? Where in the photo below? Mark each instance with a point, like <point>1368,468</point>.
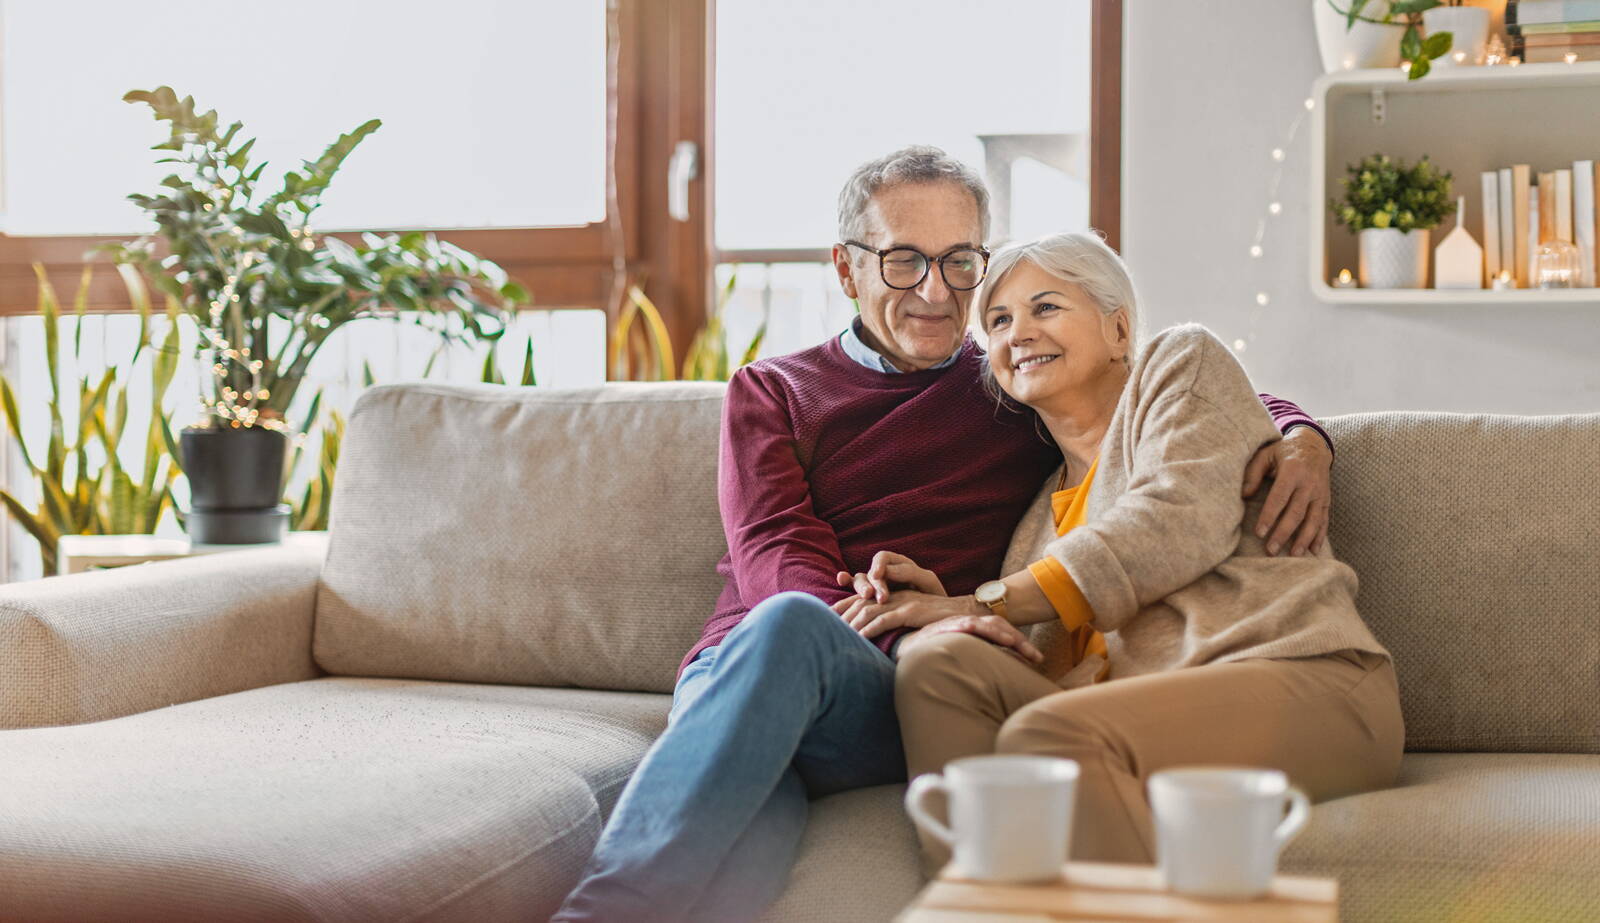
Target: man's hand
<point>991,628</point>
<point>890,568</point>
<point>1297,506</point>
<point>905,609</point>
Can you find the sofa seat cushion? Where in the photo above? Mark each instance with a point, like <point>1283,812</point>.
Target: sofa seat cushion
<point>331,799</point>
<point>1464,836</point>
<point>857,861</point>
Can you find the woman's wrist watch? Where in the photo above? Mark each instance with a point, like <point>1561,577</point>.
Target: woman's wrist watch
<point>993,595</point>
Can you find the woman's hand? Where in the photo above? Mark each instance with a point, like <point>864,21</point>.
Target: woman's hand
<point>890,568</point>
<point>1297,506</point>
<point>991,628</point>
<point>905,609</point>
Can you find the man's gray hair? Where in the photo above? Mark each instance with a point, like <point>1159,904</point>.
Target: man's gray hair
<point>1078,257</point>
<point>915,164</point>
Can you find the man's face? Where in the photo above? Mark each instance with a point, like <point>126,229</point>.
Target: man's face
<point>920,327</point>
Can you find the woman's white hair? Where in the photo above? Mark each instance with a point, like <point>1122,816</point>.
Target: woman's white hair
<point>1079,257</point>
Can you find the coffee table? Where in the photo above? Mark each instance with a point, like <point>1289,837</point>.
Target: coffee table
<point>1108,892</point>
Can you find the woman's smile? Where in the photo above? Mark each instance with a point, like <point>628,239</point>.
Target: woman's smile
<point>1029,363</point>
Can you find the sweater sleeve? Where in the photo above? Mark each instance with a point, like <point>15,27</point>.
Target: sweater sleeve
<point>1287,415</point>
<point>1179,516</point>
<point>776,542</point>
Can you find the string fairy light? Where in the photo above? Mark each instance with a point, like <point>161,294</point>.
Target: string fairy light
<point>1278,156</point>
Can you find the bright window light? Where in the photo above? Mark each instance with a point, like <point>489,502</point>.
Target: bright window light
<point>493,110</point>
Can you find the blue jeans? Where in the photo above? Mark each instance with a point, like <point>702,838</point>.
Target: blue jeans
<point>792,705</point>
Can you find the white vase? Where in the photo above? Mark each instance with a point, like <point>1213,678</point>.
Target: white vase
<point>1394,259</point>
<point>1365,44</point>
<point>1469,31</point>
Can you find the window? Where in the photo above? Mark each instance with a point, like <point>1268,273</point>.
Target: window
<point>493,115</point>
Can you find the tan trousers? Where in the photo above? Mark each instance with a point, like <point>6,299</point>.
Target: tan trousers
<point>1331,723</point>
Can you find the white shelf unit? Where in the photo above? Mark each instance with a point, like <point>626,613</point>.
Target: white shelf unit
<point>1467,120</point>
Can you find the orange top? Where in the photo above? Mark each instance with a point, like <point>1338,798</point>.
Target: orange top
<point>1070,508</point>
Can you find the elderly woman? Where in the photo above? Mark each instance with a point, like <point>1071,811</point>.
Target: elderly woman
<point>1176,638</point>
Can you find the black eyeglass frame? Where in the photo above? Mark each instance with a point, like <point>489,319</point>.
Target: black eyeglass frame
<point>927,266</point>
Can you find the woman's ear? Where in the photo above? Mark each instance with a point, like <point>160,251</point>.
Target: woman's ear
<point>1119,333</point>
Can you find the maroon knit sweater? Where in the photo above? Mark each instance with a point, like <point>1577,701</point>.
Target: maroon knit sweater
<point>825,462</point>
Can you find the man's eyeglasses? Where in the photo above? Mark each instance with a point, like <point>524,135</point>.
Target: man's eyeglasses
<point>904,268</point>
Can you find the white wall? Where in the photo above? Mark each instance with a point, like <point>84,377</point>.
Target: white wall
<point>1209,90</point>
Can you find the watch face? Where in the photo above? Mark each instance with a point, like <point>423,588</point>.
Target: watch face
<point>991,592</point>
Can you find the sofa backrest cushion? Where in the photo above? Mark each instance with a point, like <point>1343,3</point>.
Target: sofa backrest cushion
<point>523,535</point>
<point>1477,541</point>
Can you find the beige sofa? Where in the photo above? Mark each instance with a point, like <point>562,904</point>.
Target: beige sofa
<point>433,722</point>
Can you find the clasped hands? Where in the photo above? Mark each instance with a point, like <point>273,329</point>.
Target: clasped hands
<point>895,593</point>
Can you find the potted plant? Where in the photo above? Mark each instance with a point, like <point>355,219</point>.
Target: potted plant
<point>1468,27</point>
<point>266,292</point>
<point>1392,206</point>
<point>1377,33</point>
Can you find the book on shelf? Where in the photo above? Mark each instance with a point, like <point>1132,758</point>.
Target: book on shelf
<point>1584,209</point>
<point>1520,205</point>
<point>1556,54</point>
<point>1525,12</point>
<point>1491,226</point>
<point>1508,247</point>
<point>1563,205</point>
<point>1552,28</point>
<point>1573,40</point>
<point>1534,227</point>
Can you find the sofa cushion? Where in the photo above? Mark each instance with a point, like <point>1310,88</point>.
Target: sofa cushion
<point>1475,538</point>
<point>524,535</point>
<point>331,799</point>
<point>1464,836</point>
<point>857,861</point>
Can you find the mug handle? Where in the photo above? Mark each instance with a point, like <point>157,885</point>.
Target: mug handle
<point>1299,813</point>
<point>921,787</point>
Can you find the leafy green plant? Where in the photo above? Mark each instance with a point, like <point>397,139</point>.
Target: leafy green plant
<point>309,511</point>
<point>650,357</point>
<point>265,289</point>
<point>1381,192</point>
<point>84,492</point>
<point>1413,47</point>
<point>491,367</point>
<point>708,356</point>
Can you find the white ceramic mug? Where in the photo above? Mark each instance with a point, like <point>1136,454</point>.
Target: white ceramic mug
<point>1010,816</point>
<point>1219,830</point>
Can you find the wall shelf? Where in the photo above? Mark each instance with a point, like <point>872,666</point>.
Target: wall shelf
<point>1467,120</point>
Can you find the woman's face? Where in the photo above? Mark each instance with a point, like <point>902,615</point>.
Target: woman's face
<point>1047,339</point>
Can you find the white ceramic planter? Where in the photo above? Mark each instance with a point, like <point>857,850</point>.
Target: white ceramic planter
<point>1365,44</point>
<point>1468,27</point>
<point>1394,259</point>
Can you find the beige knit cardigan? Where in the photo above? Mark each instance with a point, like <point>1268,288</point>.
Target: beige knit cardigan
<point>1162,558</point>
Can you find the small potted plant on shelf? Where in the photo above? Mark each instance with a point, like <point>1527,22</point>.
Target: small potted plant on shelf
<point>1392,206</point>
<point>266,292</point>
<point>1375,33</point>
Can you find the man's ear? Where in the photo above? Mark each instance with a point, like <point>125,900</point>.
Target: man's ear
<point>846,271</point>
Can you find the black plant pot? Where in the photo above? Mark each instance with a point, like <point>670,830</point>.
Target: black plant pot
<point>235,484</point>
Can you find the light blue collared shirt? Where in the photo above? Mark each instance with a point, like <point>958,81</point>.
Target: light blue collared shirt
<point>857,349</point>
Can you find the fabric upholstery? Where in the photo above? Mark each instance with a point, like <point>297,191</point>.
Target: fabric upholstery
<point>546,537</point>
<point>857,861</point>
<point>1477,544</point>
<point>115,642</point>
<point>1464,836</point>
<point>336,799</point>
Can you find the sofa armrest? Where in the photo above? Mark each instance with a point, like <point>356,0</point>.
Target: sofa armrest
<point>100,645</point>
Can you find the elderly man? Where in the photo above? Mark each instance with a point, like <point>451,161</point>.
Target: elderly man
<point>881,438</point>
